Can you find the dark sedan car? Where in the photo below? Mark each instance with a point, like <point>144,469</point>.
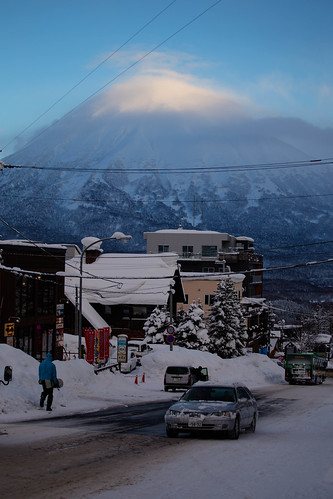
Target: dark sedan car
<point>217,408</point>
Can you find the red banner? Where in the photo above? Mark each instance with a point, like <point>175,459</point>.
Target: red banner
<point>89,335</point>
<point>106,342</point>
<point>100,334</point>
<point>97,344</point>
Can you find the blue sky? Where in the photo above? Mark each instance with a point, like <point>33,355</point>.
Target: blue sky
<point>274,58</point>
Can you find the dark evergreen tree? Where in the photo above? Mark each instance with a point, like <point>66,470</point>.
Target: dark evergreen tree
<point>226,327</point>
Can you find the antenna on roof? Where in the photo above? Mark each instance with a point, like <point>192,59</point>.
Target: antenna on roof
<point>181,224</point>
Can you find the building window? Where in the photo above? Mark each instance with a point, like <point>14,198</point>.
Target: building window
<point>25,297</point>
<point>209,299</point>
<point>139,312</point>
<point>46,298</point>
<point>163,248</point>
<point>209,251</point>
<point>187,251</point>
<point>208,270</point>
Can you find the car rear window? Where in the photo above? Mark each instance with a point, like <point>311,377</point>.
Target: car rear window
<point>177,370</point>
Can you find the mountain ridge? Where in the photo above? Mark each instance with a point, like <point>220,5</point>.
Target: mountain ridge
<point>276,204</point>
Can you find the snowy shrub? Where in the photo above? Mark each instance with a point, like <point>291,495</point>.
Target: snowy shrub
<point>191,331</point>
<point>156,325</point>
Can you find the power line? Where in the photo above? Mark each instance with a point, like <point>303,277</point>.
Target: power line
<point>184,169</point>
<point>42,248</point>
<point>284,267</point>
<point>293,312</point>
<point>131,66</point>
<point>90,73</point>
<point>170,201</point>
<point>295,245</point>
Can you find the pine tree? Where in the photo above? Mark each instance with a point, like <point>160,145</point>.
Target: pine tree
<point>156,325</point>
<point>226,329</point>
<point>191,331</point>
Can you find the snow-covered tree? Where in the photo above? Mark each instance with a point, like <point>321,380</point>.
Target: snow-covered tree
<point>191,331</point>
<point>226,327</point>
<point>156,325</point>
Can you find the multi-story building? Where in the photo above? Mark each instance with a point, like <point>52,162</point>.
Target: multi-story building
<point>32,296</point>
<point>211,252</point>
<point>201,288</point>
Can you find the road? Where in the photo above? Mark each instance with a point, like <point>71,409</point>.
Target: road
<point>82,455</point>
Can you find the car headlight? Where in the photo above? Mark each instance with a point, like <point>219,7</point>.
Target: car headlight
<point>172,412</point>
<point>226,414</point>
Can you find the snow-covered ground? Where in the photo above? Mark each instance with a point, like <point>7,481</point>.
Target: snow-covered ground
<point>85,391</point>
<point>289,456</point>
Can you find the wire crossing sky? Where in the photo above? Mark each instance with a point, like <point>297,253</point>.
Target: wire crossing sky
<point>272,57</point>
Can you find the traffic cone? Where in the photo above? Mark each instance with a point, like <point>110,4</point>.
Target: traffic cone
<point>143,378</point>
<point>136,380</point>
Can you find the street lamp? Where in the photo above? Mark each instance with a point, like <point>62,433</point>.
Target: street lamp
<point>119,236</point>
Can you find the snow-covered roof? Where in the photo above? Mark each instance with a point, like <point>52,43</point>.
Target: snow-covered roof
<point>323,338</point>
<point>253,301</point>
<point>244,238</point>
<point>186,231</point>
<point>121,279</point>
<point>24,242</point>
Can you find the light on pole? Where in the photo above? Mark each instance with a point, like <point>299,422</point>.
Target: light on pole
<point>119,236</point>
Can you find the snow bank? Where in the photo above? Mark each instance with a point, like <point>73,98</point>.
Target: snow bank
<point>254,370</point>
<point>83,390</point>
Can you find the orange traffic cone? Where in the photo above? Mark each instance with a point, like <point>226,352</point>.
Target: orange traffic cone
<point>143,378</point>
<point>136,379</point>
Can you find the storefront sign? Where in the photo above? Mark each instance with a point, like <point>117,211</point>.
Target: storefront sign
<point>122,348</point>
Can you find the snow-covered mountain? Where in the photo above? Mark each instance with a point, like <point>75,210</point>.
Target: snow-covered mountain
<point>88,186</point>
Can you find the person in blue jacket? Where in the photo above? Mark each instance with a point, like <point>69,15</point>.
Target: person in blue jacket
<point>48,379</point>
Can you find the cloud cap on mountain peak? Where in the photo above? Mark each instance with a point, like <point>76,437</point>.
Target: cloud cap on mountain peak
<point>170,92</point>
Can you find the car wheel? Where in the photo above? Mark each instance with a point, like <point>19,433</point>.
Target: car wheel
<point>171,433</point>
<point>254,423</point>
<point>234,433</point>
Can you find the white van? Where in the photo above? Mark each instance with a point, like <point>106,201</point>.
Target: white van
<point>140,347</point>
<point>130,365</point>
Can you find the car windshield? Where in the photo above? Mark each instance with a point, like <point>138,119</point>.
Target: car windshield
<point>209,393</point>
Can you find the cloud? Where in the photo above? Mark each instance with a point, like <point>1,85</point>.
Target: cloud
<point>325,92</point>
<point>146,62</point>
<point>168,91</point>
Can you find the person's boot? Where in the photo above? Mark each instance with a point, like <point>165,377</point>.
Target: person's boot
<point>42,399</point>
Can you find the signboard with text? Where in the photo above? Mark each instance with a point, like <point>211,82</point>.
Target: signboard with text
<point>97,344</point>
<point>122,341</point>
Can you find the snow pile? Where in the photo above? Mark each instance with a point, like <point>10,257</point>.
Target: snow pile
<point>253,369</point>
<point>83,390</point>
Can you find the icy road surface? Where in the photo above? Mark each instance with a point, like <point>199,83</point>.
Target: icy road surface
<point>290,456</point>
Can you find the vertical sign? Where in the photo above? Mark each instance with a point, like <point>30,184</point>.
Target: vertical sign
<point>106,342</point>
<point>96,347</point>
<point>122,348</point>
<point>60,325</point>
<point>101,344</point>
<point>89,336</point>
